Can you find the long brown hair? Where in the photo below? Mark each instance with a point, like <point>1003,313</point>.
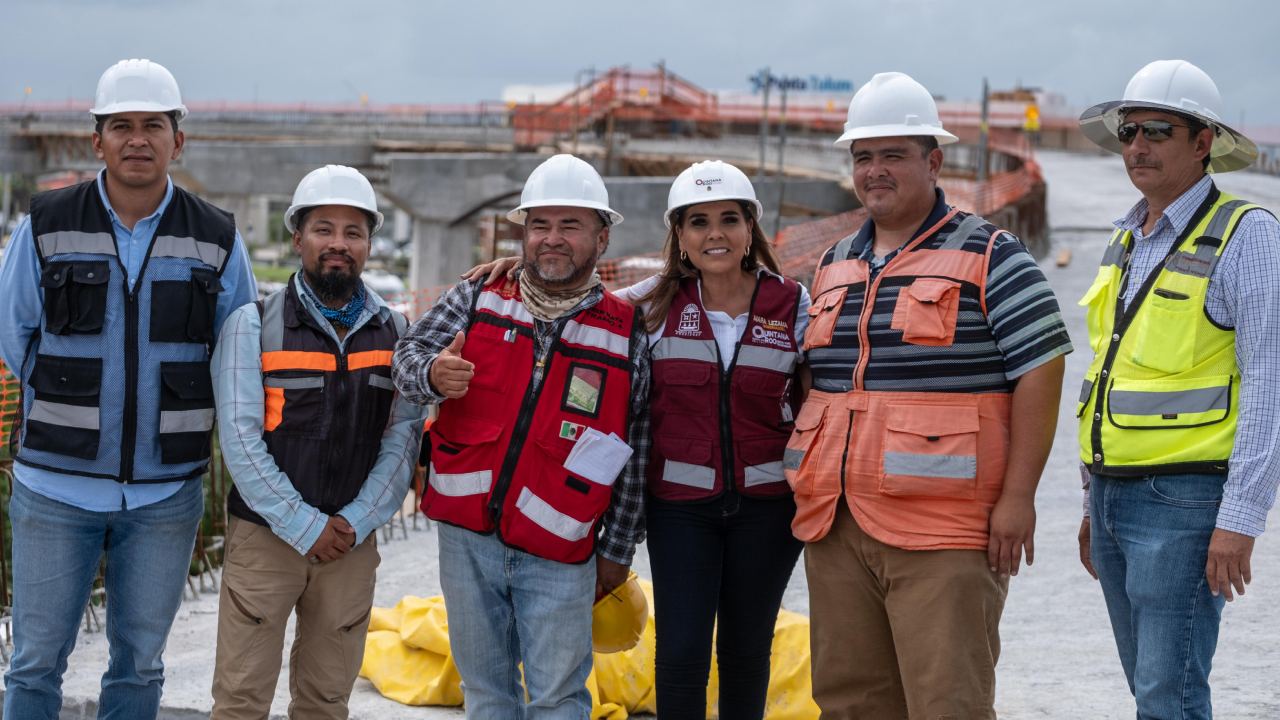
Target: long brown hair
<point>675,270</point>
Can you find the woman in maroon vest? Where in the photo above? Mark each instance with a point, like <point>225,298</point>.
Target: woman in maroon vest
<point>725,332</point>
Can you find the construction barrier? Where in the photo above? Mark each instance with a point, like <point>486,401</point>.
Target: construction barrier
<point>8,407</point>
<point>408,659</point>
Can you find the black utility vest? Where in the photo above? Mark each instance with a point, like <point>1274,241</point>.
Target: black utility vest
<point>325,410</point>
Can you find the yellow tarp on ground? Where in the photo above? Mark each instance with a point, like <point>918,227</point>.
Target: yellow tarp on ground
<point>407,658</point>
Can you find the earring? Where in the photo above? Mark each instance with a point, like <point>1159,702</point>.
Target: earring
<point>748,248</point>
<point>684,256</point>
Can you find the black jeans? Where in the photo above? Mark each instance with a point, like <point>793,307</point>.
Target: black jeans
<point>728,559</point>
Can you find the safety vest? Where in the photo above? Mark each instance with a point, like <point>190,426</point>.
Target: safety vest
<point>1162,364</point>
<point>498,453</point>
<point>117,384</point>
<point>919,470</point>
<point>325,409</point>
<point>724,431</point>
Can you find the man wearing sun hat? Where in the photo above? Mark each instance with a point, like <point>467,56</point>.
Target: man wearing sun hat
<point>1179,411</point>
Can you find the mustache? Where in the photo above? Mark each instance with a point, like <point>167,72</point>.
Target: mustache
<point>329,255</point>
<point>1143,162</point>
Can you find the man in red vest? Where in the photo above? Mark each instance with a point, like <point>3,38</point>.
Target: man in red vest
<point>935,348</point>
<point>531,474</point>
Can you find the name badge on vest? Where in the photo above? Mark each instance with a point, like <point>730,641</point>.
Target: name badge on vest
<point>582,393</point>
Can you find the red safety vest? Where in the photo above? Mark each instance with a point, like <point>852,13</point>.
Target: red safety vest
<point>710,425</point>
<point>919,470</point>
<point>498,452</point>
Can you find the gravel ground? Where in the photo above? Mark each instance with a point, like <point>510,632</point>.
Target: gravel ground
<point>1058,658</point>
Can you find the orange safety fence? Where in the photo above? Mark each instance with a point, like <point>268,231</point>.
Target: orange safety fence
<point>8,405</point>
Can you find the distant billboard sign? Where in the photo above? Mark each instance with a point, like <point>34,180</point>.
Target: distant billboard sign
<point>800,83</point>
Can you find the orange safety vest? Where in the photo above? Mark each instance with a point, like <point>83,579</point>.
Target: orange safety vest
<point>919,470</point>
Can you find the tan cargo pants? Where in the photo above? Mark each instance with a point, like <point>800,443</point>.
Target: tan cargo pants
<point>899,634</point>
<point>264,580</point>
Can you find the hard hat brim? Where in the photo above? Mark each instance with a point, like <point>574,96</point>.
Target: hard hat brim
<point>1231,150</point>
<point>293,210</point>
<point>519,214</point>
<point>758,215</point>
<point>137,106</point>
<point>881,131</point>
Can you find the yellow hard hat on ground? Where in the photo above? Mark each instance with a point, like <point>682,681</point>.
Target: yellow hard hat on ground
<point>619,617</point>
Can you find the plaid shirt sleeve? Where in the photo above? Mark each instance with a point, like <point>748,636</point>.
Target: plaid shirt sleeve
<point>624,521</point>
<point>417,350</point>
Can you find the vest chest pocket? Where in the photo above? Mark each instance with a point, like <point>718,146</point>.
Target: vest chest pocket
<point>75,296</point>
<point>182,311</point>
<point>926,312</point>
<point>65,413</point>
<point>186,411</point>
<point>824,311</point>
<point>303,394</point>
<point>930,452</point>
<point>1164,332</point>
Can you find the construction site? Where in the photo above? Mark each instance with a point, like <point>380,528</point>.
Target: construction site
<point>446,175</point>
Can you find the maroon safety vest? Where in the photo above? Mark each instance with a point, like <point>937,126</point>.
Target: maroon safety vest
<point>498,452</point>
<point>709,425</point>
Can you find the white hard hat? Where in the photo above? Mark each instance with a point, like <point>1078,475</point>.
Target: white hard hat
<point>137,86</point>
<point>1179,87</point>
<point>565,181</point>
<point>334,185</point>
<point>710,181</point>
<point>892,105</point>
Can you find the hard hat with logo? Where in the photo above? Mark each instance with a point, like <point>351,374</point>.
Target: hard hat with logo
<point>137,86</point>
<point>564,181</point>
<point>892,104</point>
<point>710,181</point>
<point>334,185</point>
<point>1174,86</point>
<point>619,618</point>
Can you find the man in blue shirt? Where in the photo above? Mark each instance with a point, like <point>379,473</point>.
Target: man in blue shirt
<point>115,290</point>
<point>1180,410</point>
<point>321,448</point>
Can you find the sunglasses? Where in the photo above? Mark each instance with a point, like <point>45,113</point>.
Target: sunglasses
<point>1152,130</point>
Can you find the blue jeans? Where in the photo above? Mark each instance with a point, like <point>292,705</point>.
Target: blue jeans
<point>56,549</point>
<point>1149,542</point>
<point>506,606</point>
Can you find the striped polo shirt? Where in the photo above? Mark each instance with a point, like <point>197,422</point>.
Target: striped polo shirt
<point>1021,329</point>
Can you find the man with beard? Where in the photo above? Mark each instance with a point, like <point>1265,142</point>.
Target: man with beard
<point>528,374</point>
<point>114,290</point>
<point>1180,410</point>
<point>321,449</point>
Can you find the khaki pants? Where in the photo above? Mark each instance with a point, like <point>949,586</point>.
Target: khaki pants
<point>263,581</point>
<point>901,633</point>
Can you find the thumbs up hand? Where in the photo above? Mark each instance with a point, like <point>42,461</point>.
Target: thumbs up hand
<point>450,374</point>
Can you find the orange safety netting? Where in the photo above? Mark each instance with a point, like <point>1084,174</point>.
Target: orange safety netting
<point>8,403</point>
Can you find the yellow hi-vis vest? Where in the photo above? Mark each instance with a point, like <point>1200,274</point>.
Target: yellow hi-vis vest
<point>1162,393</point>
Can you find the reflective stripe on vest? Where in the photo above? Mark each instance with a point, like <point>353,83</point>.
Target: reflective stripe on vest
<point>918,470</point>
<point>66,242</point>
<point>1166,366</point>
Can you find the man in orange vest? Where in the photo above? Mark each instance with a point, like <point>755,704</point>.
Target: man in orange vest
<point>931,331</point>
<point>531,475</point>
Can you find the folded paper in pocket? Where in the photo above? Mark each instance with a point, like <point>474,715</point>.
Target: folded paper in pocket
<point>598,457</point>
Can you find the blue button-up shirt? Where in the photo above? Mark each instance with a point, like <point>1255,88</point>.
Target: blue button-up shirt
<point>22,312</point>
<point>1244,293</point>
<point>237,387</point>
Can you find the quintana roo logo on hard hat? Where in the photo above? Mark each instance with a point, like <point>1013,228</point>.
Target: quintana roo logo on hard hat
<point>710,183</point>
<point>690,321</point>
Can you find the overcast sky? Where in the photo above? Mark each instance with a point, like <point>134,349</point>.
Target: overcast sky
<point>469,50</point>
